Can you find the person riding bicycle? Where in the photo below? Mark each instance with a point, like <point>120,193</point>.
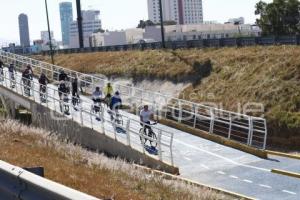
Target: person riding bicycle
<point>97,99</point>
<point>63,91</point>
<point>27,77</point>
<point>115,105</point>
<point>63,76</point>
<point>145,116</point>
<point>1,70</point>
<point>11,72</point>
<point>108,91</point>
<point>116,102</point>
<point>75,93</point>
<point>43,81</point>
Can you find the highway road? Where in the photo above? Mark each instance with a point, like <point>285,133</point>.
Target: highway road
<point>214,164</point>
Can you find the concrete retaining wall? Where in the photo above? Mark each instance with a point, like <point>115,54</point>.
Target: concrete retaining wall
<point>42,117</point>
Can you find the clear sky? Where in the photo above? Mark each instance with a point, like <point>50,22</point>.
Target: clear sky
<point>115,14</point>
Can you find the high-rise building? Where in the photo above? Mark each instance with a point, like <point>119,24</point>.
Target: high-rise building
<point>66,18</point>
<point>90,23</point>
<point>24,30</point>
<point>180,11</point>
<point>45,36</point>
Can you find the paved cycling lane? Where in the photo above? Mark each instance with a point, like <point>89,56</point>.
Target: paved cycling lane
<point>213,164</point>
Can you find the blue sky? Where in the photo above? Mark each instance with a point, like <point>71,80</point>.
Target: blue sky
<point>115,14</point>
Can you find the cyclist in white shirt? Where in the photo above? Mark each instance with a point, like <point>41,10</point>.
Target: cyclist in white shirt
<point>145,116</point>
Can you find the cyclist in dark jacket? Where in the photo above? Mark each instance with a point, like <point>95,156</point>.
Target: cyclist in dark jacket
<point>63,76</point>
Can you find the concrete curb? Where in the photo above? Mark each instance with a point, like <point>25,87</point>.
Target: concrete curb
<point>283,154</point>
<point>216,138</point>
<point>285,173</point>
<point>188,181</point>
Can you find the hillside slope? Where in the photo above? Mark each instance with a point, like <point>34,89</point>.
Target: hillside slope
<point>89,172</point>
<point>229,77</point>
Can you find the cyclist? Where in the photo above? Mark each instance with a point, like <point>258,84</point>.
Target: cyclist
<point>75,93</point>
<point>115,105</point>
<point>63,76</point>
<point>97,99</point>
<point>116,102</point>
<point>43,81</point>
<point>108,91</point>
<point>145,116</point>
<point>63,91</point>
<point>1,71</point>
<point>27,77</point>
<point>11,72</point>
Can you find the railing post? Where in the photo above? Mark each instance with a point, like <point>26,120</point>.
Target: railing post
<point>249,140</point>
<point>128,132</point>
<point>81,117</point>
<point>230,126</point>
<point>212,121</point>
<point>180,111</point>
<point>266,133</point>
<point>195,116</point>
<point>171,149</point>
<point>159,145</point>
<point>102,122</point>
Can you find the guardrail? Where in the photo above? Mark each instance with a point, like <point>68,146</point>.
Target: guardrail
<point>202,43</point>
<point>235,126</point>
<point>17,183</point>
<point>128,132</point>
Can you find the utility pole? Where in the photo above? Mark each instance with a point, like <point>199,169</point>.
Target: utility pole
<point>79,22</point>
<point>49,33</point>
<point>162,25</point>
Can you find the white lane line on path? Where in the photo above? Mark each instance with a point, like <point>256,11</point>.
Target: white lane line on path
<point>265,186</point>
<point>232,176</point>
<point>220,172</point>
<point>247,181</point>
<point>289,192</point>
<point>222,157</point>
<point>204,166</point>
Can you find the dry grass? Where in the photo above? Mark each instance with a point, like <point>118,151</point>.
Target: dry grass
<point>268,75</point>
<point>88,172</point>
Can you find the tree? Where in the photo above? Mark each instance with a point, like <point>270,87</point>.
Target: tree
<point>143,24</point>
<point>281,17</point>
<point>100,30</point>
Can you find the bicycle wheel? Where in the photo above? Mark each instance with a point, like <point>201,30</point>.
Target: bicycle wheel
<point>153,136</point>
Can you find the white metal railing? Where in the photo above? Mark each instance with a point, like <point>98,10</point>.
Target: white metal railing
<point>243,128</point>
<point>128,132</point>
<point>17,183</point>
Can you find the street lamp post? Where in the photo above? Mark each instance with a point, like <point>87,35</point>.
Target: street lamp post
<point>79,22</point>
<point>49,33</point>
<point>162,25</point>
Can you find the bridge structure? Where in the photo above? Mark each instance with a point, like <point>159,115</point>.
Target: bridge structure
<point>197,158</point>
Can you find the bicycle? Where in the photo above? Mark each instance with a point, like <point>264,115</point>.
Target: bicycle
<point>116,117</point>
<point>64,104</point>
<point>27,86</point>
<point>12,80</point>
<point>148,133</point>
<point>97,107</point>
<point>43,93</point>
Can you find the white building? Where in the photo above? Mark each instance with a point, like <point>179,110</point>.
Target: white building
<point>45,36</point>
<point>180,11</point>
<point>91,22</point>
<point>134,35</point>
<point>201,31</point>
<point>108,39</point>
